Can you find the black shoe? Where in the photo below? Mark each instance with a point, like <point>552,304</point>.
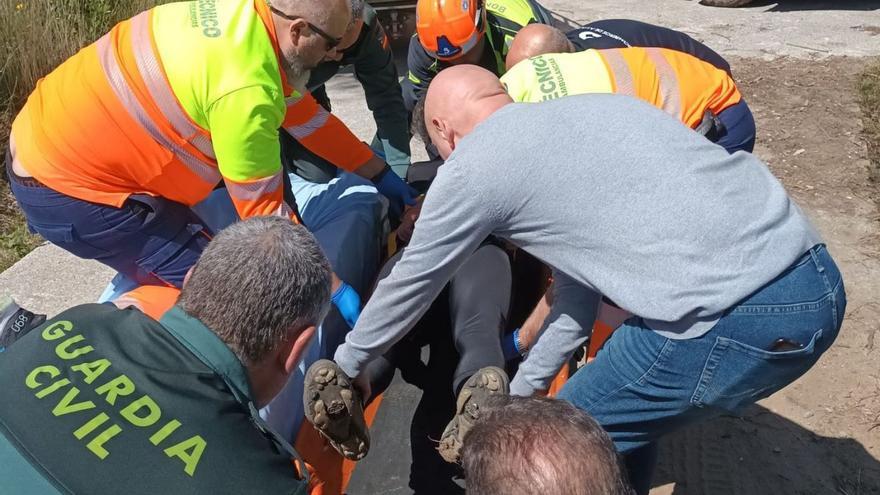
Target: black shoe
<point>15,322</point>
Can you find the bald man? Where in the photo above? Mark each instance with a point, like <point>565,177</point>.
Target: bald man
<point>733,292</point>
<point>686,85</point>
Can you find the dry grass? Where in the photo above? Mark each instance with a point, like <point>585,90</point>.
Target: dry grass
<point>869,97</point>
<point>36,36</point>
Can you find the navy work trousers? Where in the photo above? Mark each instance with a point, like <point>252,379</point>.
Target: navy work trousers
<point>152,240</point>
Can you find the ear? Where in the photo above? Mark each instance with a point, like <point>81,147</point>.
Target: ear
<point>296,30</point>
<point>294,350</point>
<point>444,131</point>
<point>188,275</point>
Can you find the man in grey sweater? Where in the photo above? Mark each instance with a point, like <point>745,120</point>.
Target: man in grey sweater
<point>734,295</point>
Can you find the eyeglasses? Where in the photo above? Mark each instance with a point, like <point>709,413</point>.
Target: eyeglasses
<point>332,42</point>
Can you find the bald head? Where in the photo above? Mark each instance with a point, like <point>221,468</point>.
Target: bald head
<point>458,99</point>
<point>537,39</point>
<point>308,31</point>
<point>322,13</point>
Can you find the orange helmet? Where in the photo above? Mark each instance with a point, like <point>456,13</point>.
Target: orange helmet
<point>449,28</point>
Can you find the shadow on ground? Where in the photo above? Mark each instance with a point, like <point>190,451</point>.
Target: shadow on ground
<point>763,453</point>
<point>800,5</point>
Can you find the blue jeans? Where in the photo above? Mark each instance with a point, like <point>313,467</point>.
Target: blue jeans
<point>739,128</point>
<point>151,240</point>
<point>642,386</point>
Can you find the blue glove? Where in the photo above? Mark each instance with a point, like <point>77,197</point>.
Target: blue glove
<point>396,190</point>
<point>510,345</point>
<point>348,302</point>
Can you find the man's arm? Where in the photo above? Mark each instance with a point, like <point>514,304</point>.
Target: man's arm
<point>421,69</point>
<point>375,69</point>
<point>244,133</point>
<point>531,328</point>
<point>566,328</point>
<point>619,33</point>
<point>456,217</point>
<point>326,136</point>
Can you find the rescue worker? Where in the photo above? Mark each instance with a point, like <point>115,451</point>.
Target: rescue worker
<point>366,48</point>
<point>614,33</point>
<point>116,145</point>
<point>470,32</point>
<point>698,93</point>
<point>720,268</point>
<point>104,400</point>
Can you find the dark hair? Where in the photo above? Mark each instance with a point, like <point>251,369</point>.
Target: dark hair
<point>258,281</point>
<point>418,126</point>
<point>541,446</point>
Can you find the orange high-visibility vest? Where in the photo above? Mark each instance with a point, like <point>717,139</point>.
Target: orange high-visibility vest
<point>128,114</point>
<point>676,82</point>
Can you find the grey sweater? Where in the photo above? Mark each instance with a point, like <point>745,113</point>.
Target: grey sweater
<point>619,199</point>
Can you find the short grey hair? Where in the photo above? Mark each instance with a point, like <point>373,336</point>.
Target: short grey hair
<point>525,445</point>
<point>357,10</point>
<point>418,126</point>
<point>259,282</point>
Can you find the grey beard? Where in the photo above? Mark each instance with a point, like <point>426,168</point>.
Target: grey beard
<point>296,72</point>
<point>299,80</point>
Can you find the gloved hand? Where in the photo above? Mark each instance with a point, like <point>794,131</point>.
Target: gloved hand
<point>396,190</point>
<point>348,302</point>
<point>511,346</point>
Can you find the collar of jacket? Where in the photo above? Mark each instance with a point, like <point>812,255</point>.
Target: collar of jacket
<point>212,351</point>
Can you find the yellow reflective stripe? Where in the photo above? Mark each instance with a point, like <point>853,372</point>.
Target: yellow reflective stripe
<point>148,66</point>
<point>668,82</point>
<point>623,78</point>
<point>126,97</point>
<point>412,77</point>
<point>308,128</point>
<point>256,189</point>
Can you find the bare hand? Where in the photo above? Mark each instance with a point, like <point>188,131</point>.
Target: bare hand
<point>408,222</point>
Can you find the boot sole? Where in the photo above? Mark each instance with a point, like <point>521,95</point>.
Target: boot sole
<point>334,408</point>
<point>477,389</point>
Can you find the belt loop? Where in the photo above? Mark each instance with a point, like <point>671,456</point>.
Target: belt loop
<point>815,255</point>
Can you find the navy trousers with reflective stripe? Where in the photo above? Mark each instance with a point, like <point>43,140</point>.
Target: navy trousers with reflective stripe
<point>739,128</point>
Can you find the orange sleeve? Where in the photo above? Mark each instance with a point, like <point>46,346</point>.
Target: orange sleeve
<point>324,134</point>
<point>259,197</point>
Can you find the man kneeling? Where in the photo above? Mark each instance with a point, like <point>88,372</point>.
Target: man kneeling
<point>98,397</point>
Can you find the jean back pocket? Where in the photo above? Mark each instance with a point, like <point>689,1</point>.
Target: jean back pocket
<point>737,375</point>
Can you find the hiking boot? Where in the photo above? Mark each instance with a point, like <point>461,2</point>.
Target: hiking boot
<point>15,322</point>
<point>335,409</point>
<point>480,386</point>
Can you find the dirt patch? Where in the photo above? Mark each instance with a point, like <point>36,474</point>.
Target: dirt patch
<point>822,433</point>
<point>869,91</point>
